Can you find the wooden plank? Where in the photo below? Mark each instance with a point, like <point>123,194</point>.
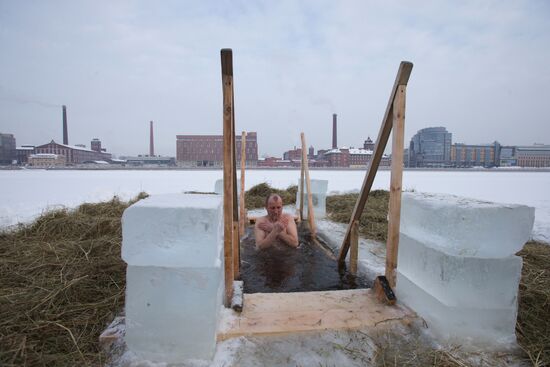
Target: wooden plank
<point>227,88</point>
<point>396,182</point>
<point>402,78</point>
<point>236,247</point>
<point>310,213</point>
<point>242,206</point>
<point>324,248</point>
<point>283,313</point>
<point>354,253</point>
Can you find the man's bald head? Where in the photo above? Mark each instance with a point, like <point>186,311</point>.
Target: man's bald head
<point>270,197</point>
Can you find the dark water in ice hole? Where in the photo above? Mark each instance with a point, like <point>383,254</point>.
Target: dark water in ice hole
<point>284,269</point>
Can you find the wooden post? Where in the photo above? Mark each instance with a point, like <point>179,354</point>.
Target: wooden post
<point>242,217</point>
<point>354,250</point>
<point>301,212</point>
<point>236,250</point>
<point>310,213</point>
<point>402,78</point>
<point>227,85</point>
<point>394,213</point>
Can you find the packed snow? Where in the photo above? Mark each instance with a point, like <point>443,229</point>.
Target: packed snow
<point>26,194</point>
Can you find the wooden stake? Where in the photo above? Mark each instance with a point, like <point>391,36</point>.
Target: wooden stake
<point>242,217</point>
<point>402,78</point>
<point>301,212</point>
<point>310,213</point>
<point>354,252</point>
<point>227,85</point>
<point>394,213</point>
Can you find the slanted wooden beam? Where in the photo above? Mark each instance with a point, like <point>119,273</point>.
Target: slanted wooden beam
<point>227,89</point>
<point>242,206</point>
<point>396,182</point>
<point>310,213</point>
<point>402,78</point>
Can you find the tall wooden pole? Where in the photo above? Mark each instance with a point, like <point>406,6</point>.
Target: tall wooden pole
<point>242,206</point>
<point>394,213</point>
<point>354,250</point>
<point>227,85</point>
<point>310,213</point>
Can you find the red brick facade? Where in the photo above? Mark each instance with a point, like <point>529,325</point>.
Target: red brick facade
<point>207,150</point>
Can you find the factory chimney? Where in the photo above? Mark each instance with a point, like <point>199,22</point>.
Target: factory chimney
<point>334,134</point>
<point>151,141</point>
<point>65,133</point>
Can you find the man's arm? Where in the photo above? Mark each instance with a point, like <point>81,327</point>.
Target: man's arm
<point>264,240</point>
<point>290,235</point>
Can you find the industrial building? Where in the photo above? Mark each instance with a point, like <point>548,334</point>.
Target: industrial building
<point>207,150</point>
<point>73,154</point>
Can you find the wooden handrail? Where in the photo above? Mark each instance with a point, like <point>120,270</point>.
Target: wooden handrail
<point>310,213</point>
<point>402,78</point>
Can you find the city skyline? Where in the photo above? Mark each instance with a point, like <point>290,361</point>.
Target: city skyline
<point>479,70</point>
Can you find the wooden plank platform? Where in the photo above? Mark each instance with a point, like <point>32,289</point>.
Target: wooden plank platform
<point>284,313</point>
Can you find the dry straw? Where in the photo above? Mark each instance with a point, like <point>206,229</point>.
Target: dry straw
<point>63,281</point>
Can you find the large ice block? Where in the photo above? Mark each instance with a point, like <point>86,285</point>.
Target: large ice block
<point>318,197</point>
<point>456,265</point>
<point>173,246</point>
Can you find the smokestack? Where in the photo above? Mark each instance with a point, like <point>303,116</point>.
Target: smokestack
<point>151,141</point>
<point>334,132</point>
<point>65,133</point>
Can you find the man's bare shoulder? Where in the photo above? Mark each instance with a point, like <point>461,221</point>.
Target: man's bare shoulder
<point>261,219</point>
<point>288,216</point>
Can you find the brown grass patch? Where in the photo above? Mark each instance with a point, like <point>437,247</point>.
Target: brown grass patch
<point>63,281</point>
<point>255,197</point>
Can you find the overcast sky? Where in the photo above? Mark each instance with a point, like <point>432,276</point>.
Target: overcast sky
<point>481,69</point>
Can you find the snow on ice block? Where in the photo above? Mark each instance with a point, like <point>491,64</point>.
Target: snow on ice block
<point>318,197</point>
<point>173,230</point>
<point>172,313</point>
<point>456,264</point>
<point>466,227</point>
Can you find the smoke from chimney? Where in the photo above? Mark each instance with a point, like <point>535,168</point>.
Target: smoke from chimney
<point>334,132</point>
<point>65,132</point>
<point>151,141</point>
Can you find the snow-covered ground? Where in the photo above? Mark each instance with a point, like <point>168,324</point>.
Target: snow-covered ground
<point>25,194</point>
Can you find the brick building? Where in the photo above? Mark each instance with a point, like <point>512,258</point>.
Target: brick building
<point>207,150</point>
<point>7,149</point>
<point>537,155</point>
<point>72,154</point>
<point>294,154</point>
<point>23,152</point>
<point>46,160</point>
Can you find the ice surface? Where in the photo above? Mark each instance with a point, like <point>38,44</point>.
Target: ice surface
<point>456,264</point>
<point>466,227</point>
<point>318,197</point>
<point>27,193</point>
<point>180,230</point>
<point>173,246</point>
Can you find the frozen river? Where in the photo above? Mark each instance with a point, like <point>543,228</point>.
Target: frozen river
<point>25,194</point>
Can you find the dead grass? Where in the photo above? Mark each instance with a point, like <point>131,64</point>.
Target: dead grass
<point>63,280</point>
<point>255,197</point>
<point>373,222</point>
<point>533,326</point>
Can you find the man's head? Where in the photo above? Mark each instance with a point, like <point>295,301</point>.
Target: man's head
<point>274,207</point>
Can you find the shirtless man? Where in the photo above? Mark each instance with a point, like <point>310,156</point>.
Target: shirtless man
<point>276,227</point>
